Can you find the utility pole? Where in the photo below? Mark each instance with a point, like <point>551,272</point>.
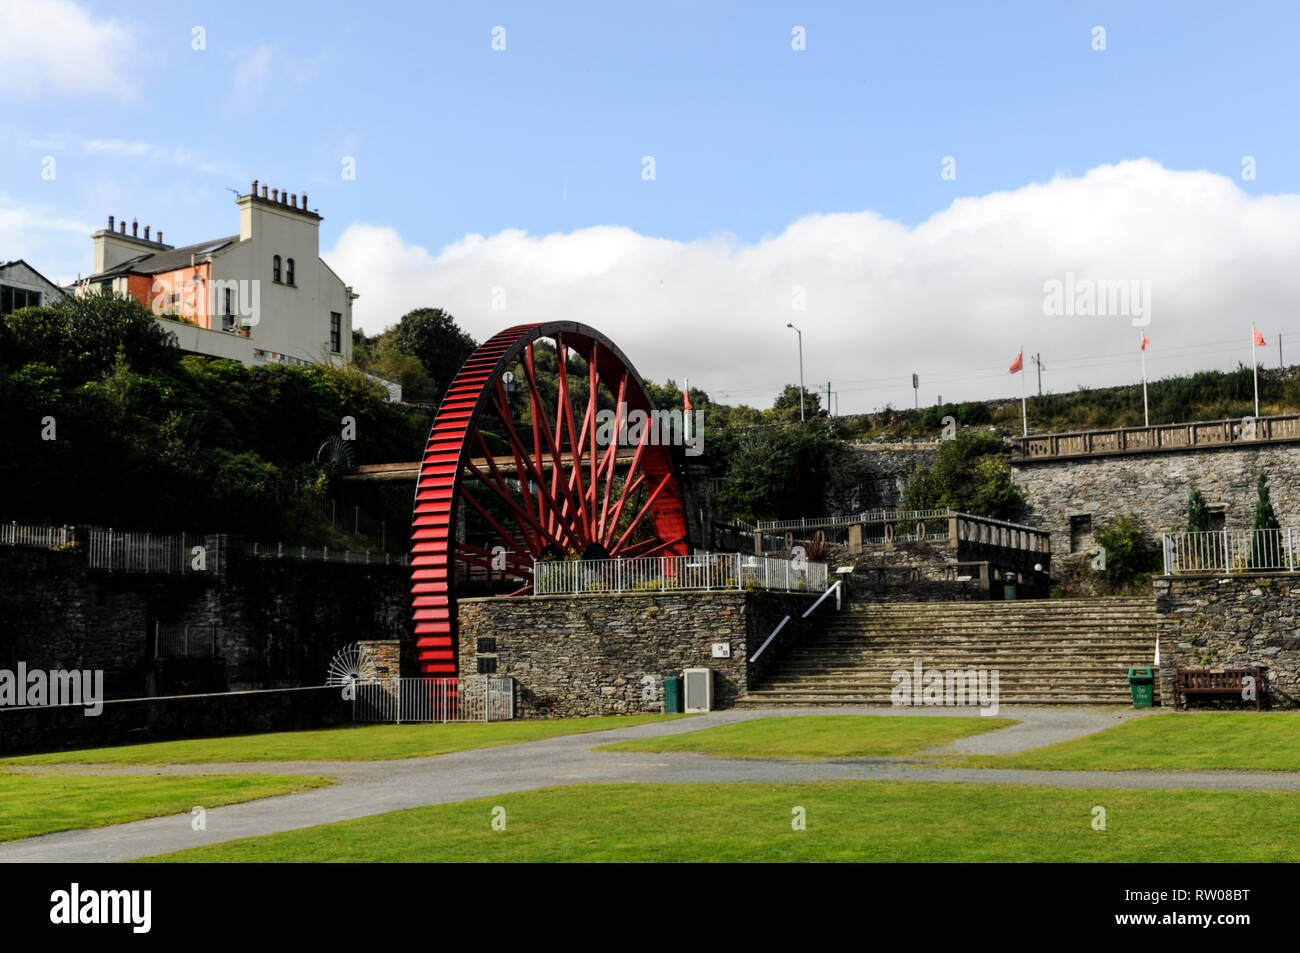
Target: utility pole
<point>1279,351</point>
<point>916,391</point>
<point>828,400</point>
<point>1038,359</point>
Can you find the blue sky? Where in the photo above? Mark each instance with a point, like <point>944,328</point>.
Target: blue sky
<point>749,138</point>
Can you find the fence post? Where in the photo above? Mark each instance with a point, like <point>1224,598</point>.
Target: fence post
<point>1290,551</point>
<point>1227,551</point>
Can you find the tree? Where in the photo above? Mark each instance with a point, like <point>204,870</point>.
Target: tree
<point>1198,514</point>
<point>776,472</point>
<point>785,409</point>
<point>971,474</point>
<point>82,334</point>
<point>1265,517</point>
<point>433,336</point>
<point>1266,541</point>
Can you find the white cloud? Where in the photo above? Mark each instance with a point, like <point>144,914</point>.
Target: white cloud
<point>952,298</point>
<point>56,48</point>
<point>252,70</point>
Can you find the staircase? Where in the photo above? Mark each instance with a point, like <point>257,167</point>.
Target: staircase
<point>1046,652</point>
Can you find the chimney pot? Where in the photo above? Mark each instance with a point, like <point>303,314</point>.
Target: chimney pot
<point>264,191</point>
<point>255,187</point>
<point>275,195</point>
<point>160,241</point>
<point>146,233</point>
<point>135,228</point>
<point>304,201</point>
<point>293,200</point>
<point>121,227</point>
<point>110,223</point>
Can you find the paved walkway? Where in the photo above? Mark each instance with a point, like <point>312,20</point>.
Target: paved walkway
<point>375,787</point>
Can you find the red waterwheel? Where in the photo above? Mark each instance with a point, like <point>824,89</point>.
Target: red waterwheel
<point>549,489</point>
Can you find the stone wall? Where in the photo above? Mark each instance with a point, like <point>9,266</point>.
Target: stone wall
<point>873,476</point>
<point>1154,487</point>
<point>132,721</point>
<point>605,655</point>
<point>1232,621</point>
<point>278,621</point>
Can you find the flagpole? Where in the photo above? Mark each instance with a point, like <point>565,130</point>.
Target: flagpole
<point>1254,365</point>
<point>1146,416</point>
<point>686,410</point>
<point>1024,413</point>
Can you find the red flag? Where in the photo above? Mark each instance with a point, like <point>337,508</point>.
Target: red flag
<point>1018,364</point>
<point>1259,338</point>
<point>686,399</point>
<point>1145,341</point>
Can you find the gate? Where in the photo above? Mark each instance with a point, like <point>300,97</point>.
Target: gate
<point>434,700</point>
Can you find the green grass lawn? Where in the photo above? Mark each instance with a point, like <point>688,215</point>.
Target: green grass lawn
<point>360,743</point>
<point>1173,741</point>
<point>864,820</point>
<point>817,737</point>
<point>32,804</point>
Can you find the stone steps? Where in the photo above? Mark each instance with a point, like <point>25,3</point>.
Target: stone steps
<point>1045,651</point>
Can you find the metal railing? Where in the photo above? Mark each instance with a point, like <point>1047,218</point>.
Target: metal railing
<point>866,516</point>
<point>183,640</point>
<point>1229,551</point>
<point>44,537</point>
<point>434,700</point>
<point>149,552</point>
<point>325,554</point>
<point>656,573</point>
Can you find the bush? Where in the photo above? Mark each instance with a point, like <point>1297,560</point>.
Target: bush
<point>1129,553</point>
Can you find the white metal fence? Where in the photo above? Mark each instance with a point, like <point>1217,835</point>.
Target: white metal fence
<point>866,516</point>
<point>701,571</point>
<point>150,552</point>
<point>1228,551</point>
<point>184,640</point>
<point>45,537</point>
<point>425,700</point>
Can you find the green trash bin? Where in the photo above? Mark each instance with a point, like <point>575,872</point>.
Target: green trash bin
<point>1141,682</point>
<point>673,695</point>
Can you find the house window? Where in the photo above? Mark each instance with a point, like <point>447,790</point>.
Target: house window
<point>487,666</point>
<point>11,299</point>
<point>275,269</point>
<point>336,332</point>
<point>288,278</point>
<point>228,313</point>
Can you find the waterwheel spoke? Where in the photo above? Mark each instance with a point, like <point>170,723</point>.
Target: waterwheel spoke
<point>642,512</point>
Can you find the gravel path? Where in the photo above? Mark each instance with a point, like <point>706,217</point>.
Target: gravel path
<point>374,787</point>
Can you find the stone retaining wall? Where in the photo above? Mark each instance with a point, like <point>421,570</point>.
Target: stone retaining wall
<point>609,654</point>
<point>1233,621</point>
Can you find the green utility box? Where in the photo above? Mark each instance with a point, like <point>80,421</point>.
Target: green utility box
<point>673,695</point>
<point>1141,682</point>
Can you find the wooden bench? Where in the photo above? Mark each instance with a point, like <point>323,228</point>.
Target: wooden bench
<point>1217,681</point>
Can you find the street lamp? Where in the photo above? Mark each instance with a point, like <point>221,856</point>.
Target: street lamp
<point>800,333</point>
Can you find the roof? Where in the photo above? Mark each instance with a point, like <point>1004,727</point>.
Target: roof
<point>170,260</point>
<point>19,261</point>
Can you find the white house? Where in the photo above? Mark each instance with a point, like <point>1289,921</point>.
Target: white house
<point>264,295</point>
<point>22,286</point>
